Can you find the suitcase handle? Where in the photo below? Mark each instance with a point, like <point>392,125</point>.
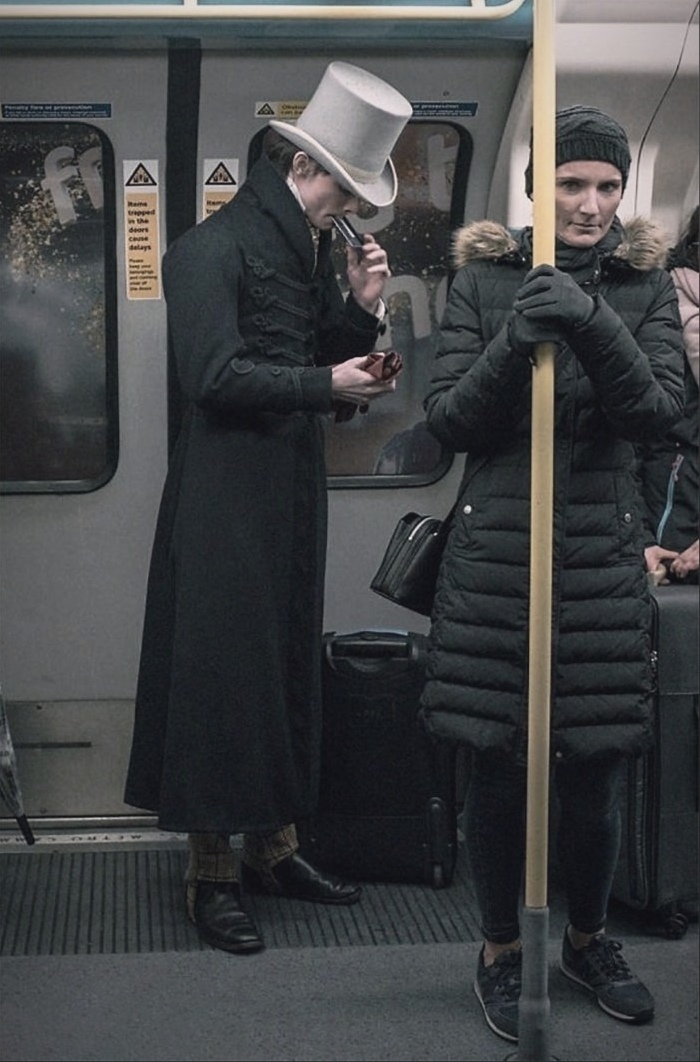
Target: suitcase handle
<point>371,644</point>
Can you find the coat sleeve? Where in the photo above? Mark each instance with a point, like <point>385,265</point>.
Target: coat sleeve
<point>687,283</point>
<point>480,388</point>
<point>637,371</point>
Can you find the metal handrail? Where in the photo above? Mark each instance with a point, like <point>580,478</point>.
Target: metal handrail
<point>193,9</point>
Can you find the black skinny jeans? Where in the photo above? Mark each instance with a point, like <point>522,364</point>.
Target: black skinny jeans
<point>588,841</point>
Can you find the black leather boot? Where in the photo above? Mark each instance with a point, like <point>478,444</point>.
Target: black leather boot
<point>221,921</point>
<point>295,878</point>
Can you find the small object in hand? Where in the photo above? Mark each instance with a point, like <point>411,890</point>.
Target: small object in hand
<point>349,233</point>
<point>659,577</point>
<point>383,366</point>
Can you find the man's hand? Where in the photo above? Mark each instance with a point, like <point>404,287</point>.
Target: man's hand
<point>351,381</point>
<point>686,562</point>
<point>368,274</point>
<point>658,562</point>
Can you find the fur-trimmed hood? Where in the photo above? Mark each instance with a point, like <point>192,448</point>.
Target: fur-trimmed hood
<point>642,243</point>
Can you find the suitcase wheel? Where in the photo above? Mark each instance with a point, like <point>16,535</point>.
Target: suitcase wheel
<point>438,881</point>
<point>675,924</point>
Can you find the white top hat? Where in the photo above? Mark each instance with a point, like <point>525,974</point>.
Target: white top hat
<point>350,126</point>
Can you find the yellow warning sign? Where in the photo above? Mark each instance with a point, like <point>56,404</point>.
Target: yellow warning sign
<point>142,229</point>
<point>219,184</point>
<point>285,110</point>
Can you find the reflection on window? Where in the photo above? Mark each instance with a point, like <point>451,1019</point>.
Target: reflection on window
<point>391,439</point>
<point>58,403</point>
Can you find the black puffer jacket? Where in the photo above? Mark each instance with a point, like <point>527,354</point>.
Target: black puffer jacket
<point>623,383</point>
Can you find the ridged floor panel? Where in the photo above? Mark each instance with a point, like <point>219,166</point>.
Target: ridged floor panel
<point>130,901</point>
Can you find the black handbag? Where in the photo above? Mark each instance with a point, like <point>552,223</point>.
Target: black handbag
<point>409,568</point>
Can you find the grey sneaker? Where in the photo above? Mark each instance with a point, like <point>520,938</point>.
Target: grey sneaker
<point>601,969</point>
<point>497,988</point>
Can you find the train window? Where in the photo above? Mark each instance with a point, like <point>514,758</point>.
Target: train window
<point>390,445</point>
<point>58,397</point>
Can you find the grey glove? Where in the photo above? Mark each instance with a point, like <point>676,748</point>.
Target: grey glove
<point>551,297</point>
<point>525,332</point>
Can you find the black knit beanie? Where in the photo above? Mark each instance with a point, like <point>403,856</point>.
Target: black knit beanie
<point>587,133</point>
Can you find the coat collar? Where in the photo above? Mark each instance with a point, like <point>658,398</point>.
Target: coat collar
<point>276,199</point>
<point>640,244</point>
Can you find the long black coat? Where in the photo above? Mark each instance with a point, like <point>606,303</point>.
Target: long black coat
<point>226,734</point>
<point>624,383</point>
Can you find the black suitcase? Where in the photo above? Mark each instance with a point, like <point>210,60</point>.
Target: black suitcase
<point>387,808</point>
<point>658,868</point>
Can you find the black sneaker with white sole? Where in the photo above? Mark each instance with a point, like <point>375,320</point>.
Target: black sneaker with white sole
<point>601,968</point>
<point>497,988</point>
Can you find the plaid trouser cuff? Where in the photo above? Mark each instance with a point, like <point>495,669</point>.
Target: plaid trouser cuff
<point>262,851</point>
<point>212,858</point>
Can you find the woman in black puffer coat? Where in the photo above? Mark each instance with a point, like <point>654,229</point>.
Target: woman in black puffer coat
<point>612,312</point>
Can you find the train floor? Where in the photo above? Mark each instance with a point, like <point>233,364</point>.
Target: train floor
<point>98,963</point>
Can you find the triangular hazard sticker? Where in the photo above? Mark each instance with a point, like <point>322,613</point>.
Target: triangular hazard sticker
<point>220,175</point>
<point>140,177</point>
<point>265,109</point>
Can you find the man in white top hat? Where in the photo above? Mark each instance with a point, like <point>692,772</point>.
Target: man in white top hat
<point>227,724</point>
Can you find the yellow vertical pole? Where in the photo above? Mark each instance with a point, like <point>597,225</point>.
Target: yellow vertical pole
<point>542,467</point>
<point>534,1006</point>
